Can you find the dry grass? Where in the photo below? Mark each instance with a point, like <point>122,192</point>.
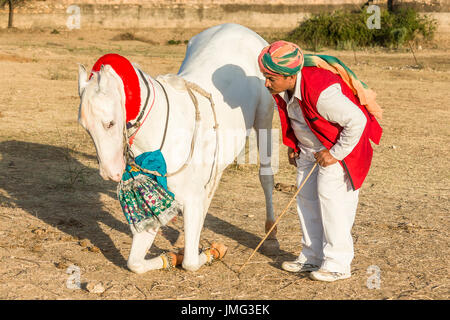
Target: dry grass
<point>56,211</point>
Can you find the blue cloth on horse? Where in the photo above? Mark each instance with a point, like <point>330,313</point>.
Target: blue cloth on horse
<point>153,161</point>
<point>144,197</point>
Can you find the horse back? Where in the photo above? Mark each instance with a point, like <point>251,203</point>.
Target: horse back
<point>225,44</point>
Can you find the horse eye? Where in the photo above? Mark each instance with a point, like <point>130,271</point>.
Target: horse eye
<point>110,124</point>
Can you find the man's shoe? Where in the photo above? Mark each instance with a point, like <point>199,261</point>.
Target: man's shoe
<point>328,276</point>
<point>296,266</point>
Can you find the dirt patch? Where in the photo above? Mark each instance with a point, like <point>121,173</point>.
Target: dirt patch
<point>59,219</point>
<point>14,58</point>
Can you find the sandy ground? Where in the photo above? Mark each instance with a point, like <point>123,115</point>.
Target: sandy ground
<point>57,215</point>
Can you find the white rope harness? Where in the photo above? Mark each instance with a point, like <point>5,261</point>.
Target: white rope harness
<point>190,87</point>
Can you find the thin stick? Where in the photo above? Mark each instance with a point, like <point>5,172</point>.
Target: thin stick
<point>415,59</point>
<point>278,219</point>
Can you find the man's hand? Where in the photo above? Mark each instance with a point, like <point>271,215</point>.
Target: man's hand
<point>292,155</point>
<point>324,158</point>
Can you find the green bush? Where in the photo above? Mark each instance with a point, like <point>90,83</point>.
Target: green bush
<point>347,30</point>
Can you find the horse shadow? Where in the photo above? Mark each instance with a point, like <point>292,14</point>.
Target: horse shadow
<point>49,183</point>
<point>245,238</point>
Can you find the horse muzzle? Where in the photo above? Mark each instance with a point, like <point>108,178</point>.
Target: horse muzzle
<point>112,173</point>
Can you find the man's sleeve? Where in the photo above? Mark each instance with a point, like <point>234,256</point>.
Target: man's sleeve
<point>335,107</point>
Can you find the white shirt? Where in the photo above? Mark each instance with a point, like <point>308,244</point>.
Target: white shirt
<point>335,107</point>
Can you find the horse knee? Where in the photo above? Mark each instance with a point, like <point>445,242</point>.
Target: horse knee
<point>135,266</point>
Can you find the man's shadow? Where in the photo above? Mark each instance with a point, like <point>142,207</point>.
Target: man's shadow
<point>234,84</point>
<point>50,184</point>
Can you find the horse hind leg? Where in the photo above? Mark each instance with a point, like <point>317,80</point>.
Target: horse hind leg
<point>263,127</point>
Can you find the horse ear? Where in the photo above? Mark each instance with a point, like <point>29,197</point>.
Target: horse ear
<point>136,65</point>
<point>103,81</point>
<point>82,78</point>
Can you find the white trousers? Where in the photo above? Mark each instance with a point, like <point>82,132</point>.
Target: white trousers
<point>326,207</point>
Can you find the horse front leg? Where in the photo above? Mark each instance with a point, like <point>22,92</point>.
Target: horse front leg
<point>142,241</point>
<point>193,223</point>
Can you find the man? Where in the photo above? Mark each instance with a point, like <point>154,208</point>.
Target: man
<point>323,121</point>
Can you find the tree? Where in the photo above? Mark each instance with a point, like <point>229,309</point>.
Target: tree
<point>11,4</point>
<point>390,5</point>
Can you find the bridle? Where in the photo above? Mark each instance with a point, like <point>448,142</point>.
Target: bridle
<point>129,138</point>
<point>138,124</point>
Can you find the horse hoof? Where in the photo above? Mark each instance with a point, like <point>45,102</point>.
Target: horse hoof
<point>219,250</point>
<point>270,247</point>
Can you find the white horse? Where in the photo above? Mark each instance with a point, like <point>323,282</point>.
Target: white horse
<point>221,60</point>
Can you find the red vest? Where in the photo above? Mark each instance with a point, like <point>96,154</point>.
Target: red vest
<point>314,81</point>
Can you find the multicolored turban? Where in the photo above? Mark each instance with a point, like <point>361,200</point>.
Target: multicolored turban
<point>286,59</point>
<point>281,58</point>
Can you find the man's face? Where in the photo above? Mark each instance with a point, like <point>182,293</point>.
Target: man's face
<point>278,84</point>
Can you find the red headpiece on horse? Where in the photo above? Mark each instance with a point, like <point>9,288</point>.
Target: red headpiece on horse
<point>123,67</point>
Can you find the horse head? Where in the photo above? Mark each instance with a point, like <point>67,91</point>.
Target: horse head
<point>102,114</point>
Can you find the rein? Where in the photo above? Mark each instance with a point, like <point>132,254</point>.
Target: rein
<point>128,140</point>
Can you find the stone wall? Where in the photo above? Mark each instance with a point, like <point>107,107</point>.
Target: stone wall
<point>137,14</point>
